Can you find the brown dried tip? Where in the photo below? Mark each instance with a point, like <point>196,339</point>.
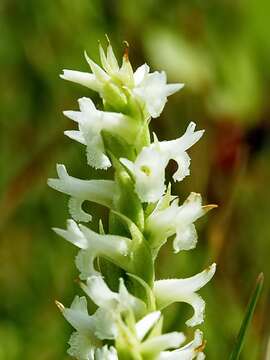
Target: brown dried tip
<point>126,49</point>
<point>59,305</point>
<point>209,207</point>
<point>201,347</point>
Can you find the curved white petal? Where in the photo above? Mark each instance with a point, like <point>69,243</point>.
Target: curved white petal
<point>146,323</point>
<point>82,78</point>
<point>99,191</point>
<point>183,290</point>
<point>193,350</point>
<point>159,343</point>
<point>73,234</point>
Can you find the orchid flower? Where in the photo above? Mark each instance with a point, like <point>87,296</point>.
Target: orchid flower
<point>175,220</point>
<point>149,167</point>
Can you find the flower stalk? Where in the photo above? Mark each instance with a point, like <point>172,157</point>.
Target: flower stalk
<point>143,216</point>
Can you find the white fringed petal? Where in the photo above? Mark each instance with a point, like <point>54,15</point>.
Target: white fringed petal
<point>98,191</point>
<point>149,167</point>
<point>193,350</point>
<point>184,290</point>
<point>81,346</point>
<point>91,122</point>
<point>106,353</point>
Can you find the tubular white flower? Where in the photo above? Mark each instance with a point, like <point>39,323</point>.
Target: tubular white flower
<point>106,353</point>
<point>98,191</point>
<point>166,221</point>
<point>193,350</point>
<point>184,290</point>
<point>112,247</point>
<point>91,122</point>
<point>148,169</point>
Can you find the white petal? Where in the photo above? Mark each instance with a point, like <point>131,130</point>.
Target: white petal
<point>81,347</point>
<point>188,352</point>
<point>100,293</point>
<point>159,343</point>
<point>186,239</point>
<point>76,210</point>
<point>73,234</point>
<point>82,78</point>
<point>85,263</point>
<point>105,325</point>
<point>153,90</point>
<point>183,290</point>
<point>140,74</point>
<point>75,135</point>
<point>77,316</point>
<point>106,353</point>
<point>99,191</point>
<point>146,323</point>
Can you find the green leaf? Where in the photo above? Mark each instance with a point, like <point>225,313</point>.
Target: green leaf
<point>247,319</point>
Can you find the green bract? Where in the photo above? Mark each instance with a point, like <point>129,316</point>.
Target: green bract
<point>143,215</point>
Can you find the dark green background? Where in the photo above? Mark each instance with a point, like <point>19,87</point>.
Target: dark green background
<point>221,50</point>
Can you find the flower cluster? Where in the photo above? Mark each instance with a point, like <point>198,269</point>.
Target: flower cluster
<point>116,266</point>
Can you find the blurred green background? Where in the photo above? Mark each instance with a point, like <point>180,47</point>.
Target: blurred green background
<point>221,50</point>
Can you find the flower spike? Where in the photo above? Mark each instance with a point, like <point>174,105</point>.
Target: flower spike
<point>117,263</point>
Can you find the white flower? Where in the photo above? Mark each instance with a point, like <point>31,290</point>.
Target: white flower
<point>84,341</point>
<point>91,122</point>
<point>153,90</point>
<point>106,353</point>
<point>193,350</point>
<point>148,169</point>
<point>184,290</point>
<point>111,305</point>
<point>115,302</point>
<point>112,247</point>
<point>172,219</point>
<point>150,89</point>
<point>98,191</point>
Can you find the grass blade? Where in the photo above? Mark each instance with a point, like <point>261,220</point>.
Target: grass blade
<point>248,316</point>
